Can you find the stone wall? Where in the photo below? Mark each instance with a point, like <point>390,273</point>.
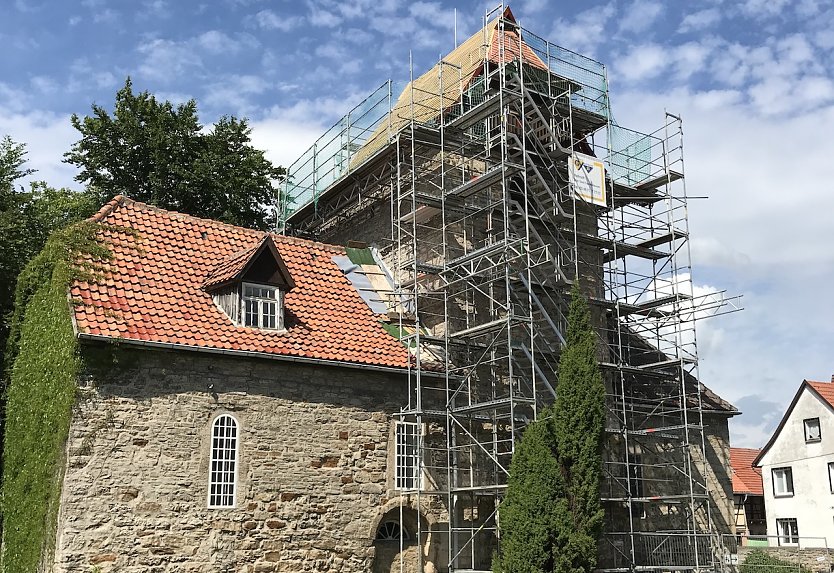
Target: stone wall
<point>314,477</point>
<point>815,559</point>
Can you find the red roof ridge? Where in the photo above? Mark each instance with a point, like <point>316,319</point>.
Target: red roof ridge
<point>121,200</point>
<point>108,208</point>
<point>287,240</point>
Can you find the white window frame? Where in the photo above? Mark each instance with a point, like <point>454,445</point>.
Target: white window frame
<point>782,482</point>
<point>223,462</point>
<point>261,303</point>
<point>807,425</point>
<point>407,467</point>
<point>787,531</point>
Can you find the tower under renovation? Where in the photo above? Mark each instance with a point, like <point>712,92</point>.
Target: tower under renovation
<point>489,186</point>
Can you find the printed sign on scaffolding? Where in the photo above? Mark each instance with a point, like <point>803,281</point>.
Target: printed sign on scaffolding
<point>587,178</point>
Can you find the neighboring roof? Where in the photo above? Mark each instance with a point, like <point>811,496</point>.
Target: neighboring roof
<point>822,390</point>
<point>154,291</point>
<point>746,478</point>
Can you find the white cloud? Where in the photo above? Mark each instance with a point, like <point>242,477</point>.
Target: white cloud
<point>641,15</point>
<point>586,32</point>
<point>700,20</point>
<point>47,137</point>
<point>269,20</point>
<point>233,94</point>
<point>217,42</point>
<point>322,17</point>
<point>166,58</point>
<point>642,62</point>
<point>763,9</point>
<point>761,234</point>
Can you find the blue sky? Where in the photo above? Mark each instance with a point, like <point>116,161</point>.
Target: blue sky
<point>752,79</point>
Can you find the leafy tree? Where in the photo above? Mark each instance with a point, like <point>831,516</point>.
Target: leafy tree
<point>12,158</point>
<point>27,218</point>
<point>552,516</point>
<point>159,153</point>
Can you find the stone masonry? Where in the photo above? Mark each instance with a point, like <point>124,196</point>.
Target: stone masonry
<point>313,477</point>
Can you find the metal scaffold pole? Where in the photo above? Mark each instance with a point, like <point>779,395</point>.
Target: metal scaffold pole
<point>488,161</point>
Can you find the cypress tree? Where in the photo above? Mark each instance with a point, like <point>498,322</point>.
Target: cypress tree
<point>579,426</point>
<point>529,509</point>
<point>551,516</point>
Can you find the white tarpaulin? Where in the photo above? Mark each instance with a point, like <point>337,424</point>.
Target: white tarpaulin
<point>587,178</point>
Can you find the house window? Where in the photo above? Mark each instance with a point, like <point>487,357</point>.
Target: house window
<point>831,476</point>
<point>407,472</point>
<point>223,465</point>
<point>261,306</point>
<point>782,482</point>
<point>787,531</point>
<point>812,430</point>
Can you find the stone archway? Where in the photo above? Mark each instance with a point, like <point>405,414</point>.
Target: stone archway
<point>396,545</point>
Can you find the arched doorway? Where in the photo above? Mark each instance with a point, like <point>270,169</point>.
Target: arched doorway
<point>396,543</point>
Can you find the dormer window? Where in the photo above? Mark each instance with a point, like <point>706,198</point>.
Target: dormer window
<point>262,306</point>
<point>249,286</point>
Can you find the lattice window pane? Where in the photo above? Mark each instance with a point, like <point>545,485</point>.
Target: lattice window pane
<point>223,465</point>
<point>262,308</point>
<point>407,473</point>
<point>251,318</point>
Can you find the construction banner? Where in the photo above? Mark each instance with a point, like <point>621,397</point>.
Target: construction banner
<point>587,178</point>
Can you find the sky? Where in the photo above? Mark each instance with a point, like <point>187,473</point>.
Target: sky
<point>753,81</point>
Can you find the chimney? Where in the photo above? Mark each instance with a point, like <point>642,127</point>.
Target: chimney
<point>832,378</point>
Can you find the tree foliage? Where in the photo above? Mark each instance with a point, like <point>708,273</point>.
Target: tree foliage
<point>27,218</point>
<point>158,153</point>
<point>552,517</point>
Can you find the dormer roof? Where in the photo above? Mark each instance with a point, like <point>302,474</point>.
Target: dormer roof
<point>261,263</point>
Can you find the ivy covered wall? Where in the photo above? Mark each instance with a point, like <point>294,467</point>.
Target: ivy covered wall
<point>44,364</point>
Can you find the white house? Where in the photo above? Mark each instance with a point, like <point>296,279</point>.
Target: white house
<point>798,469</point>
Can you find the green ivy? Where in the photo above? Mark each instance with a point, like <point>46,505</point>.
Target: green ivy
<point>44,365</point>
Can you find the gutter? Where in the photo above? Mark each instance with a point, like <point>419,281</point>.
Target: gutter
<point>246,354</point>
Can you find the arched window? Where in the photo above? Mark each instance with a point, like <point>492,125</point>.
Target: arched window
<point>223,466</point>
<point>391,531</point>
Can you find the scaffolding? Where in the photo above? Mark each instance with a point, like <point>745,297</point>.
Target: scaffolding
<point>493,183</point>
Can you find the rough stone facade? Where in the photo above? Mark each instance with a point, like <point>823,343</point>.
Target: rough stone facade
<point>315,474</point>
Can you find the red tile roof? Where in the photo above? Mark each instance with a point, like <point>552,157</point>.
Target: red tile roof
<point>746,478</point>
<point>153,291</point>
<point>824,389</point>
<point>511,46</point>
